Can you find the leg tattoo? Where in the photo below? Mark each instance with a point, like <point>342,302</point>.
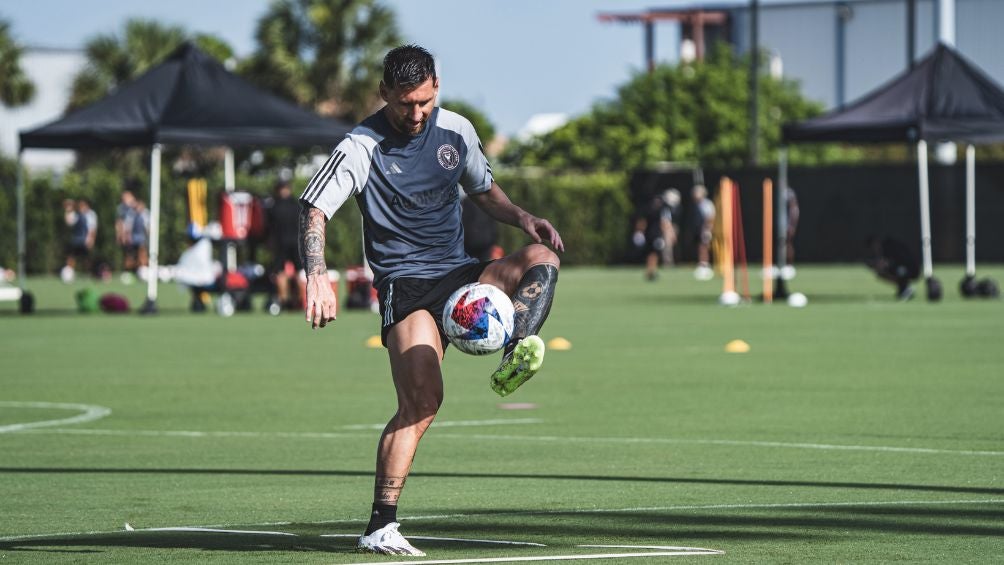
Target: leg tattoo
<point>386,491</point>
<point>533,299</point>
<point>525,352</point>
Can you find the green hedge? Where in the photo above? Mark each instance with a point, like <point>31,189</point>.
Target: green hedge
<point>591,212</point>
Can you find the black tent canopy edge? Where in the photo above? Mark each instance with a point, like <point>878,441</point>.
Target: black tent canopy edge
<point>945,97</point>
<point>188,99</point>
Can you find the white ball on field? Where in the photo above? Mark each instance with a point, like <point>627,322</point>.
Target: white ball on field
<point>797,300</point>
<point>729,298</point>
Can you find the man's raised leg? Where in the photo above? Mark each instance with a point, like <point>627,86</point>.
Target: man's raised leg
<point>529,276</point>
<point>415,355</point>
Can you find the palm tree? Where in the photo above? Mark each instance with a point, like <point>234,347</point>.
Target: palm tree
<point>113,60</point>
<point>16,89</point>
<point>326,54</point>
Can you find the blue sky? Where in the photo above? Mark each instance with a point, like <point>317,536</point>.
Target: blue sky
<point>511,58</point>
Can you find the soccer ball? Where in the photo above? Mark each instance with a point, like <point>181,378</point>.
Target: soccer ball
<point>478,319</point>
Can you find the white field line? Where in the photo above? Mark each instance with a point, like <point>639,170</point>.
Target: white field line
<point>522,438</point>
<point>668,551</point>
<point>90,413</point>
<point>791,505</point>
<point>456,423</point>
<point>436,538</point>
<point>213,531</point>
<point>731,442</point>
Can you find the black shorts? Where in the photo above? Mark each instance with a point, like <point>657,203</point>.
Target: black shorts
<point>286,253</point>
<point>80,251</point>
<point>405,295</point>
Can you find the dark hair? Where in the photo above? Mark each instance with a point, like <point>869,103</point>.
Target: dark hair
<point>408,66</point>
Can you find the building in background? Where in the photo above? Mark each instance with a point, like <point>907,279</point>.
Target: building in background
<point>52,71</point>
<point>837,49</point>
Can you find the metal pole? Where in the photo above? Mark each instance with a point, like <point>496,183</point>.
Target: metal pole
<point>925,209</point>
<point>844,14</point>
<point>911,32</point>
<point>768,244</point>
<point>650,45</point>
<point>229,184</point>
<point>970,210</point>
<point>229,179</point>
<point>754,134</point>
<point>946,22</point>
<point>153,271</point>
<point>22,237</point>
<point>782,209</point>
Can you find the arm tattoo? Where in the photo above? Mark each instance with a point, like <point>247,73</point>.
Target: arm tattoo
<point>312,224</point>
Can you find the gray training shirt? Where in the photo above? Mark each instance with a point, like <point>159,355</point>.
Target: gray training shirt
<point>406,189</point>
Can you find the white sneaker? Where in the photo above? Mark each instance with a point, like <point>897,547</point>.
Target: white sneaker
<point>388,541</point>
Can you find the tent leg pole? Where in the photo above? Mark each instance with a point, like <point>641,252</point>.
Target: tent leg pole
<point>21,228</point>
<point>925,209</point>
<point>153,271</point>
<point>229,177</point>
<point>230,184</point>
<point>781,211</point>
<point>933,286</point>
<point>970,211</point>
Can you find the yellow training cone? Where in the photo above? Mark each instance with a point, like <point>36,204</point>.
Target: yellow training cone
<point>559,344</point>
<point>374,342</point>
<point>737,346</point>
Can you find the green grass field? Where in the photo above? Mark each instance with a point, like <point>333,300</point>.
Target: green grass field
<point>856,430</point>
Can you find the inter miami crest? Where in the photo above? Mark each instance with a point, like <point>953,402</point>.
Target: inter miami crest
<point>448,156</point>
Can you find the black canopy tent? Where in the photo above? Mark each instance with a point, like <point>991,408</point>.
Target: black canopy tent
<point>944,97</point>
<point>188,99</point>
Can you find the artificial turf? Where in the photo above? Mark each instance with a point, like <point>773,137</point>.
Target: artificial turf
<point>856,429</point>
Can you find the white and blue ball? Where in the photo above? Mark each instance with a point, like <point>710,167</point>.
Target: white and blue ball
<point>478,319</point>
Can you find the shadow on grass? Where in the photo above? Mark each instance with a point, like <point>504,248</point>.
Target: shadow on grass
<point>494,476</point>
<point>210,541</point>
<point>719,528</point>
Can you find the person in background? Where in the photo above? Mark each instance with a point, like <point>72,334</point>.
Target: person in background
<point>140,233</point>
<point>480,230</point>
<point>671,197</point>
<point>83,224</point>
<point>704,225</point>
<point>791,203</point>
<point>893,261</point>
<point>283,220</point>
<point>653,232</point>
<point>125,214</point>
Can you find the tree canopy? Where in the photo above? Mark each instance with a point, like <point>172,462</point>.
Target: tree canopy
<point>693,112</point>
<point>326,54</point>
<point>16,89</point>
<point>480,121</point>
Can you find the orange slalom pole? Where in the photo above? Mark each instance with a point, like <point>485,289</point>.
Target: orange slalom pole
<point>740,243</point>
<point>768,241</point>
<point>728,272</point>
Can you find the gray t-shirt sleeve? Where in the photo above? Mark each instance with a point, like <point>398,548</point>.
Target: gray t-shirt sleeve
<point>342,176</point>
<point>477,175</point>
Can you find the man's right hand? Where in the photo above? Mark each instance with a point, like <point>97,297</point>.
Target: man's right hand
<point>321,304</point>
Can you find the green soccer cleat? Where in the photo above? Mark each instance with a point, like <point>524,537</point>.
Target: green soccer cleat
<point>518,365</point>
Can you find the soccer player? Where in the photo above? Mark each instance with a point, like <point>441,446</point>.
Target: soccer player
<point>404,165</point>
